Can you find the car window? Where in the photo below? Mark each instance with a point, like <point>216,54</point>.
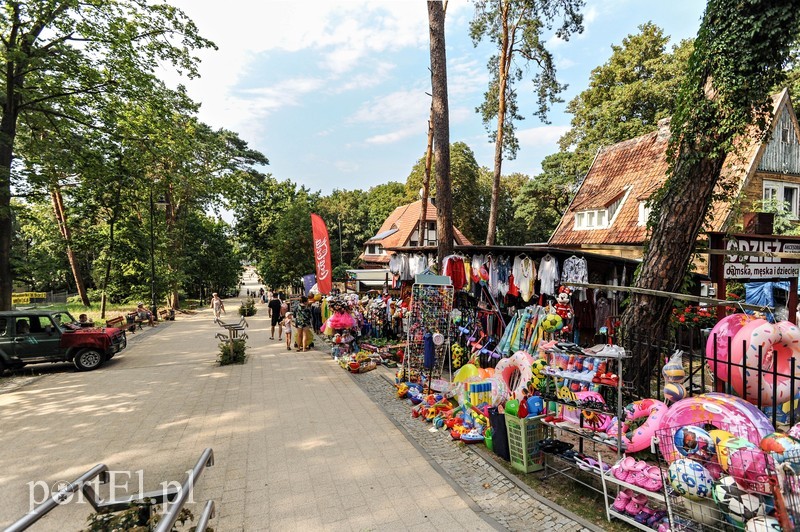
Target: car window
<point>23,326</point>
<point>3,326</point>
<point>63,317</point>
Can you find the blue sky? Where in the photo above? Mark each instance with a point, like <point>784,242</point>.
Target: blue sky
<point>334,92</point>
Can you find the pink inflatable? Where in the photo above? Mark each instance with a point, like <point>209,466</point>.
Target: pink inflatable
<point>720,410</point>
<point>573,415</point>
<point>723,331</point>
<point>515,371</point>
<point>778,343</point>
<point>651,409</point>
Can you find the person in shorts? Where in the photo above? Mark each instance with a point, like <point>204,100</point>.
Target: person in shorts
<point>302,321</point>
<point>274,307</point>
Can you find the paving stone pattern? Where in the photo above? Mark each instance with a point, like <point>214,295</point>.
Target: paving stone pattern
<point>502,500</point>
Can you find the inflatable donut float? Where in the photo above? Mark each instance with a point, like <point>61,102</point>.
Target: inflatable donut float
<point>653,410</point>
<point>720,410</point>
<point>721,336</point>
<point>515,371</point>
<point>777,343</point>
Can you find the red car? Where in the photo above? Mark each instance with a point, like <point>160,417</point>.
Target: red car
<point>39,336</point>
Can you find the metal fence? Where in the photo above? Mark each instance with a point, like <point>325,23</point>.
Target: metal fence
<point>757,369</point>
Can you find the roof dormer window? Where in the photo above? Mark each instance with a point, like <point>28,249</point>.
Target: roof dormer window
<point>601,218</point>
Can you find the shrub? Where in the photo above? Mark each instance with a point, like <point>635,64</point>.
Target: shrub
<point>236,355</point>
<point>248,308</point>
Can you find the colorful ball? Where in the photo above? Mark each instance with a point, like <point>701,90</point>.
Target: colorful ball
<point>763,523</point>
<point>694,442</point>
<point>703,512</point>
<point>749,468</point>
<point>736,504</point>
<point>552,323</point>
<point>729,446</point>
<point>466,372</point>
<point>690,479</point>
<point>674,392</point>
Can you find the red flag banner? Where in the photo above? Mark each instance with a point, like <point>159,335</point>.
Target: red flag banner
<point>322,254</point>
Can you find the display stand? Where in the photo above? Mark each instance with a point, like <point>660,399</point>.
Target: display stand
<point>557,390</point>
<point>431,307</point>
<point>659,497</point>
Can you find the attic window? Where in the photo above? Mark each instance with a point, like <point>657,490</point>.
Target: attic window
<point>375,249</point>
<point>601,218</point>
<point>785,134</point>
<point>785,196</point>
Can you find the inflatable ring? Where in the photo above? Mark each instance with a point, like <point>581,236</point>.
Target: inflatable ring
<point>777,343</point>
<point>515,372</point>
<point>652,409</point>
<point>720,410</point>
<point>723,332</point>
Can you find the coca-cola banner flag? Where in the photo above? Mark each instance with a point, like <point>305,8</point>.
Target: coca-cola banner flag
<point>322,254</point>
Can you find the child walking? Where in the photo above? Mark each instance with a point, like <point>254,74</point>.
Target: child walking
<point>286,328</point>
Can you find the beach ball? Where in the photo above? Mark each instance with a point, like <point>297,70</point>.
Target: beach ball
<point>552,323</point>
<point>489,372</point>
<point>736,504</point>
<point>674,392</point>
<point>718,436</point>
<point>780,444</point>
<point>499,390</point>
<point>763,523</point>
<point>466,372</point>
<point>673,370</point>
<point>749,468</point>
<point>794,432</point>
<point>694,442</point>
<point>690,479</point>
<point>729,446</point>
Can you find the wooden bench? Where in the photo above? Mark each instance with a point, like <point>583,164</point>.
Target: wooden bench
<point>135,321</point>
<point>117,323</point>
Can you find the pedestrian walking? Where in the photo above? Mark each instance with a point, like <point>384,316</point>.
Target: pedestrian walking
<point>302,320</point>
<point>274,307</point>
<point>217,305</point>
<point>286,326</point>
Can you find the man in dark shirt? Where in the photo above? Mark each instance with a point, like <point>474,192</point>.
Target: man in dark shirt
<point>274,313</point>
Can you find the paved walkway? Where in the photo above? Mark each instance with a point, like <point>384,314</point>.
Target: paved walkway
<point>299,443</point>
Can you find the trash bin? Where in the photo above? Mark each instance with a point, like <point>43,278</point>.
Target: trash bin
<point>499,433</point>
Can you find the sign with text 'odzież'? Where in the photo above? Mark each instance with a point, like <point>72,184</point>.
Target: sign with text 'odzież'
<point>760,267</point>
<point>322,254</point>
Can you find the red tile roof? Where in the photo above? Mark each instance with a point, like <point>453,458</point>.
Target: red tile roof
<point>640,163</point>
<point>406,220</point>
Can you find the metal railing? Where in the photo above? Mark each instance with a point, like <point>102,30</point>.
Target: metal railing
<point>173,498</point>
<point>173,509</point>
<point>59,497</point>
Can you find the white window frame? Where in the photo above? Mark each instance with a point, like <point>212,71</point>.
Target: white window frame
<point>776,190</point>
<point>644,213</point>
<point>592,219</point>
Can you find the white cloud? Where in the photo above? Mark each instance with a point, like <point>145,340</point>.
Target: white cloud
<point>346,166</point>
<point>541,136</point>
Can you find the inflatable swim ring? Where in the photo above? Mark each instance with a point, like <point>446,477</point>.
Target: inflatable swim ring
<point>652,409</point>
<point>723,332</point>
<point>515,372</point>
<point>778,343</point>
<point>721,410</point>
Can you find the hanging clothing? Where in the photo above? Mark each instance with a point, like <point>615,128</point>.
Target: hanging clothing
<point>477,262</point>
<point>548,274</point>
<point>454,268</point>
<point>524,271</point>
<point>602,312</point>
<point>494,278</point>
<point>503,273</point>
<point>575,270</point>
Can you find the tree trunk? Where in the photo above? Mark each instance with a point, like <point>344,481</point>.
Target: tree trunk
<point>63,226</point>
<point>502,82</point>
<point>669,251</point>
<point>441,130</point>
<point>426,182</point>
<point>8,132</point>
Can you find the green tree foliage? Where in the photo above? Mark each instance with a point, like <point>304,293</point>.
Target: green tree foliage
<point>214,262</point>
<point>628,94</point>
<point>289,254</point>
<point>466,191</point>
<point>516,29</point>
<point>544,199</point>
<point>739,56</point>
<point>59,58</point>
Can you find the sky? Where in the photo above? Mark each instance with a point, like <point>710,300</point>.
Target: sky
<point>333,92</point>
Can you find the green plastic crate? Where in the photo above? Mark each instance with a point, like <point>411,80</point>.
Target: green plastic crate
<point>524,436</point>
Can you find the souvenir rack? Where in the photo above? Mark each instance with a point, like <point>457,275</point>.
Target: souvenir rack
<point>430,312</point>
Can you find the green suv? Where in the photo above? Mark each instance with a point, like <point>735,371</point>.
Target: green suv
<point>38,336</point>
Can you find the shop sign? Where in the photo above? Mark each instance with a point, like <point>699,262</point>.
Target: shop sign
<point>24,298</point>
<point>759,267</point>
<point>761,271</point>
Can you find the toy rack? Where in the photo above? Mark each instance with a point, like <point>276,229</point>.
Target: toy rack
<point>431,307</point>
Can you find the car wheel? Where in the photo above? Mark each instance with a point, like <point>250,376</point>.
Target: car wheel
<point>88,359</point>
